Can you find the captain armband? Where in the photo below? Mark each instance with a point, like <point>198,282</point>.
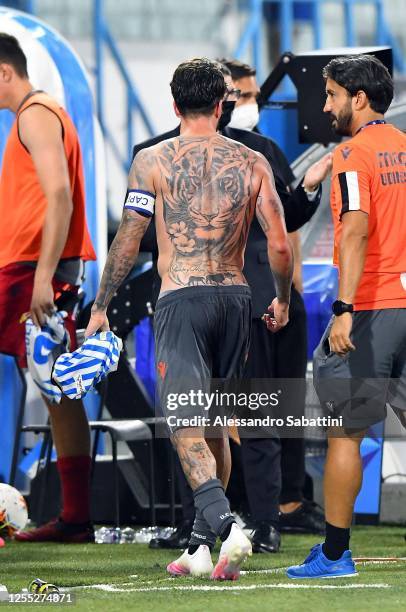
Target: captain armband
<point>143,202</point>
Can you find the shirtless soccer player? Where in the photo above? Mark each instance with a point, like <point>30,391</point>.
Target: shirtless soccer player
<point>204,190</point>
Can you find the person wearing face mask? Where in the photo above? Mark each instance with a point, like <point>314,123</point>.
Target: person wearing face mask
<point>263,491</point>
<point>245,115</point>
<point>283,355</point>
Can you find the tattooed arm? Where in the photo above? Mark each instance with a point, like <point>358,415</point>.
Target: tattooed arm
<point>270,215</point>
<point>125,246</point>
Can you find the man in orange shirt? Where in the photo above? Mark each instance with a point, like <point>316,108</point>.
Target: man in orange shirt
<point>43,243</point>
<point>365,343</point>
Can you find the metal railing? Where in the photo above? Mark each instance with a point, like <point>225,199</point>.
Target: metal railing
<point>252,34</point>
<point>104,39</point>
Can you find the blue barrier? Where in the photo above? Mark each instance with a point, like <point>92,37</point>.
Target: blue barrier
<point>320,283</point>
<point>145,355</point>
<point>369,498</point>
<point>10,395</point>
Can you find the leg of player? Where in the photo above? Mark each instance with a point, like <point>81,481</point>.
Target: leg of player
<point>236,544</point>
<point>199,465</point>
<point>70,431</point>
<point>196,560</point>
<point>220,447</point>
<point>342,483</point>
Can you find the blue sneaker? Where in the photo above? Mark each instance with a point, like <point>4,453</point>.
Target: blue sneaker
<point>318,566</point>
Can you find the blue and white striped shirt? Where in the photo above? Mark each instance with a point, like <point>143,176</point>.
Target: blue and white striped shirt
<point>78,372</point>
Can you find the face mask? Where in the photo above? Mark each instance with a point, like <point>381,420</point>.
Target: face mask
<point>225,117</point>
<point>245,117</point>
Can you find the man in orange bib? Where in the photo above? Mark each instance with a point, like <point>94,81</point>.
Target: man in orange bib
<point>44,241</point>
<point>360,363</point>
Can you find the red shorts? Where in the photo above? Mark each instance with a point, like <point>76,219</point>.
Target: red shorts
<point>16,286</point>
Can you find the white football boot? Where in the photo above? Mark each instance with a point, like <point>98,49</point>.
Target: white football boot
<point>197,564</point>
<point>234,551</point>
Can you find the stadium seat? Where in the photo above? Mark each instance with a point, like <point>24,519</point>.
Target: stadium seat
<point>126,430</point>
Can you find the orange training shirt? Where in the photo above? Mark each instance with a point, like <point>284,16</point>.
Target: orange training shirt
<point>22,200</point>
<point>369,174</point>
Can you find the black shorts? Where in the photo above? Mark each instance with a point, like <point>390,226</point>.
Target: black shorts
<point>201,333</point>
<point>358,386</point>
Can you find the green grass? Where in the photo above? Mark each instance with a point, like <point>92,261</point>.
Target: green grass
<point>79,565</point>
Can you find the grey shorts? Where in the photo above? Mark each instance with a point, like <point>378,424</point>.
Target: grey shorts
<point>201,334</point>
<point>358,386</point>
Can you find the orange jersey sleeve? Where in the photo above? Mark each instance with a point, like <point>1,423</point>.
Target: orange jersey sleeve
<point>351,179</point>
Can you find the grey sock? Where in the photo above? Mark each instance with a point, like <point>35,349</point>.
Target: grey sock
<point>211,501</point>
<point>201,532</point>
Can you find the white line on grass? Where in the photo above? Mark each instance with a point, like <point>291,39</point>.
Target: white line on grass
<point>274,570</point>
<point>358,561</point>
<point>110,588</point>
<point>379,559</point>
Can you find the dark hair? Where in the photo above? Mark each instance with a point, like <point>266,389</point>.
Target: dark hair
<point>11,53</point>
<point>238,69</point>
<point>366,73</point>
<point>197,86</point>
<point>223,68</point>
